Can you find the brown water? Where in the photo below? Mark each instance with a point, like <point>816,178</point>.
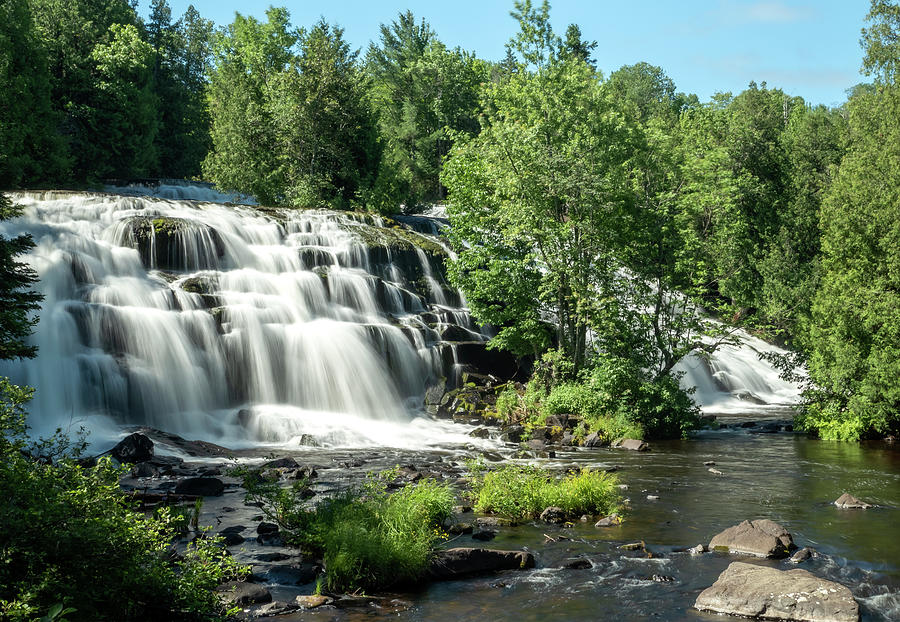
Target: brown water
<point>784,477</point>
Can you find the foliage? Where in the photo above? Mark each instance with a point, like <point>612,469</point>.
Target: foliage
<point>70,536</point>
<point>524,491</point>
<point>368,538</point>
<point>16,305</point>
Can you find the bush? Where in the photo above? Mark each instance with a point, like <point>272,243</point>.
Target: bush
<point>517,491</point>
<point>368,539</point>
<point>69,536</point>
<point>617,400</point>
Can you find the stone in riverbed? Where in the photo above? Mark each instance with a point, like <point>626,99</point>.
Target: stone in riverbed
<point>313,600</point>
<point>609,521</point>
<point>553,514</point>
<point>633,444</point>
<point>459,562</point>
<point>762,538</point>
<point>241,593</point>
<point>802,555</point>
<point>759,591</point>
<point>201,487</point>
<point>848,502</point>
<point>133,449</point>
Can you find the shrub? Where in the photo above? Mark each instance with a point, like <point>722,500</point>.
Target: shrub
<point>508,403</point>
<point>69,536</point>
<point>524,491</point>
<point>368,539</point>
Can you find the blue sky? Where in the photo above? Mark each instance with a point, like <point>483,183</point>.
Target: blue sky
<point>805,47</point>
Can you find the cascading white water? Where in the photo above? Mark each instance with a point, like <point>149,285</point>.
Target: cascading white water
<point>735,379</point>
<point>226,322</point>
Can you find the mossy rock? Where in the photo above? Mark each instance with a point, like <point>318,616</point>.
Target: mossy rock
<point>163,243</point>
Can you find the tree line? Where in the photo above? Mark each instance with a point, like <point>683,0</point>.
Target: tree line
<point>597,218</point>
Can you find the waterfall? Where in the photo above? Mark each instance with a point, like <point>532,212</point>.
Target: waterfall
<point>232,322</point>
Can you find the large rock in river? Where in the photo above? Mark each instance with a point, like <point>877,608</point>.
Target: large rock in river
<point>134,448</point>
<point>762,592</point>
<point>460,562</point>
<point>762,538</point>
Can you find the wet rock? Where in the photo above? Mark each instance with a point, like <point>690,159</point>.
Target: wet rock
<point>802,555</point>
<point>144,469</point>
<point>232,535</point>
<point>492,522</point>
<point>268,534</point>
<point>579,563</point>
<point>513,434</point>
<point>282,463</point>
<point>700,549</point>
<point>709,463</point>
<point>481,432</point>
<point>484,535</point>
<point>567,440</point>
<point>633,546</point>
<point>133,448</point>
<point>609,521</point>
<point>201,487</point>
<point>633,444</point>
<point>662,578</point>
<point>275,608</point>
<point>759,591</point>
<point>435,393</point>
<point>457,529</point>
<point>593,440</point>
<point>848,502</point>
<point>762,538</point>
<point>243,593</point>
<point>274,556</point>
<point>553,514</point>
<point>535,444</point>
<point>459,562</point>
<point>715,471</point>
<point>291,574</point>
<point>652,497</point>
<point>313,600</point>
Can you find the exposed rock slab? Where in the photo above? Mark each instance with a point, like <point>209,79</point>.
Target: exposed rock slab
<point>200,486</point>
<point>633,444</point>
<point>761,592</point>
<point>241,593</point>
<point>762,538</point>
<point>134,448</point>
<point>462,561</point>
<point>848,502</point>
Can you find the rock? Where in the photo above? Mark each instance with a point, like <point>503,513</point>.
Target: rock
<point>759,591</point>
<point>231,538</point>
<point>274,608</point>
<point>268,534</point>
<point>535,444</point>
<point>435,393</point>
<point>802,555</point>
<point>144,469</point>
<point>709,463</point>
<point>763,538</point>
<point>700,549</point>
<point>201,487</point>
<point>579,563</point>
<point>593,440</point>
<point>633,444</point>
<point>313,600</point>
<point>513,434</point>
<point>457,529</point>
<point>481,432</point>
<point>848,502</point>
<point>568,439</point>
<point>133,448</point>
<point>291,574</point>
<point>609,521</point>
<point>484,535</point>
<point>492,456</point>
<point>459,562</point>
<point>282,463</point>
<point>662,578</point>
<point>553,514</point>
<point>652,497</point>
<point>243,593</point>
<point>633,546</point>
<point>488,522</point>
<point>715,471</point>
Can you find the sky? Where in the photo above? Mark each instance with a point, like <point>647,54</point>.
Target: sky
<point>808,48</point>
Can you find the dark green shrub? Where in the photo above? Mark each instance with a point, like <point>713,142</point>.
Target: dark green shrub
<point>69,536</point>
<point>368,539</point>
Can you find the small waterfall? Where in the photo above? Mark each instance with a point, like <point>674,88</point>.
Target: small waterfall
<point>735,379</point>
<point>231,322</point>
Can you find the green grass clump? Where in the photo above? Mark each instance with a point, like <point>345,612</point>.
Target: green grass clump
<point>524,491</point>
<point>368,539</point>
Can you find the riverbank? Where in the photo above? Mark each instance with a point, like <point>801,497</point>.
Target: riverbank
<point>677,500</point>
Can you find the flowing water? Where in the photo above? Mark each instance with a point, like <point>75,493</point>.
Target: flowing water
<point>256,327</point>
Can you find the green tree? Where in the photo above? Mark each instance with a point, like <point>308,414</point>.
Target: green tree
<point>249,58</point>
<point>17,302</point>
<point>324,133</point>
<point>32,150</point>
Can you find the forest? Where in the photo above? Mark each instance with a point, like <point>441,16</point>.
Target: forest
<point>606,226</point>
<point>586,198</point>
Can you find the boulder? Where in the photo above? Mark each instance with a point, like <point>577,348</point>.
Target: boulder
<point>313,600</point>
<point>460,562</point>
<point>609,521</point>
<point>268,534</point>
<point>484,535</point>
<point>762,538</point>
<point>577,563</point>
<point>133,448</point>
<point>759,591</point>
<point>593,440</point>
<point>553,514</point>
<point>513,434</point>
<point>201,487</point>
<point>242,593</point>
<point>633,444</point>
<point>481,432</point>
<point>848,502</point>
<point>802,555</point>
<point>282,463</point>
